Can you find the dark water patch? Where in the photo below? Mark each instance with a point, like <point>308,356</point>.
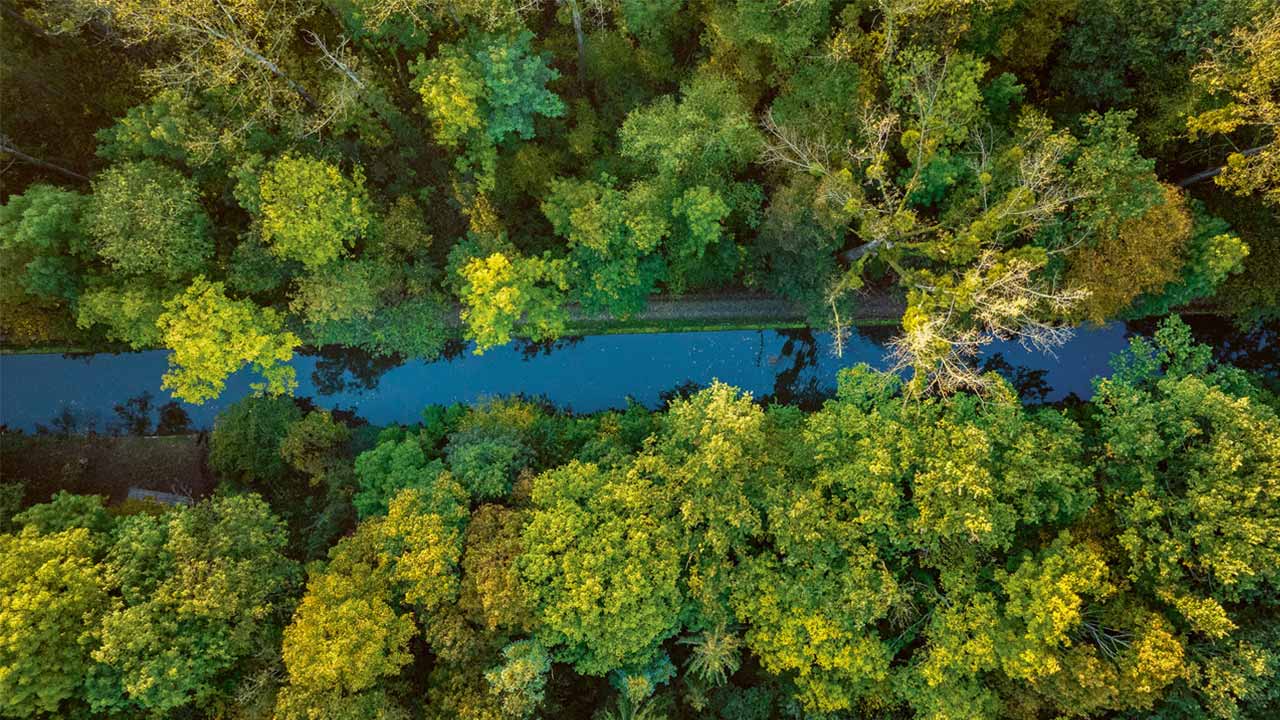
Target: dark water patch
<point>80,394</point>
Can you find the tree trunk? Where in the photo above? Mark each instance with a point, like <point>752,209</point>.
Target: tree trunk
<point>1218,170</point>
<point>7,147</point>
<point>582,43</point>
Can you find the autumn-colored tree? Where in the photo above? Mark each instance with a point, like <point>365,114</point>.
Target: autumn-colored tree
<point>311,212</point>
<point>212,336</point>
<point>1145,254</point>
<point>1246,74</point>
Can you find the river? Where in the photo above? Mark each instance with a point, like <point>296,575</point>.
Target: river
<point>80,393</point>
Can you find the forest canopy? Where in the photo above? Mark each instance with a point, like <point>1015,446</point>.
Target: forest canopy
<point>234,179</point>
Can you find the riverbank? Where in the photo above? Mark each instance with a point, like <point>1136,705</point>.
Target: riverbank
<point>105,465</point>
<point>689,313</point>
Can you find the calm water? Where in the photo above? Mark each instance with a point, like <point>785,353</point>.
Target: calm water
<point>80,393</point>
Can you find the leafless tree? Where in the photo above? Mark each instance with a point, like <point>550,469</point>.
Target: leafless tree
<point>1002,301</point>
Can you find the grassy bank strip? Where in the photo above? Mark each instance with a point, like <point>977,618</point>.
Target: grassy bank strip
<point>580,327</point>
<point>641,326</point>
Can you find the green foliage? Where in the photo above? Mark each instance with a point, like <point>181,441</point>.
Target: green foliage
<point>515,80</point>
<point>451,90</point>
<point>313,445</point>
<point>212,336</point>
<point>908,550</point>
<point>698,227</point>
<point>54,594</point>
<point>146,219</point>
<point>167,128</point>
<point>414,328</point>
<point>1122,181</point>
<point>491,594</point>
<point>11,494</point>
<point>43,242</point>
<point>1213,254</point>
<point>246,444</point>
<point>1191,465</point>
<point>786,34</point>
<point>953,82</point>
<point>974,469</point>
<point>397,463</point>
<point>520,681</point>
<point>66,512</point>
<point>1112,43</point>
<point>486,461</point>
<point>601,567</point>
<point>1046,596</point>
<point>311,212</point>
<point>1247,73</point>
<point>483,91</point>
<point>128,315</point>
<point>705,136</point>
<point>613,237</point>
<point>1144,254</point>
<point>714,656</point>
<point>357,608</point>
<point>347,635</point>
<point>198,588</point>
<point>712,454</point>
<point>504,295</point>
<point>339,291</point>
<point>253,268</point>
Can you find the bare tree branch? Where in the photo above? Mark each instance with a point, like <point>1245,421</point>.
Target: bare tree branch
<point>10,149</point>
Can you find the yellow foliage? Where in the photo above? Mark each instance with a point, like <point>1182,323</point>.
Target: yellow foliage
<point>1143,256</point>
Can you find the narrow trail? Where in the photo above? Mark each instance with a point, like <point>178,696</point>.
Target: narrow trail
<point>744,307</point>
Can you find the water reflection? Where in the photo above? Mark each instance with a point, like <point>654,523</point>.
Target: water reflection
<point>1255,349</point>
<point>681,391</point>
<point>339,370</point>
<point>67,394</point>
<point>530,349</point>
<point>1029,382</point>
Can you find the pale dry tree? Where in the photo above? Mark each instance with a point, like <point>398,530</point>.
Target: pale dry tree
<point>1018,193</point>
<point>788,149</point>
<point>1003,301</point>
<point>342,95</point>
<point>246,47</point>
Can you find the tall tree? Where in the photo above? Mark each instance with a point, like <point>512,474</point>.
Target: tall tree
<point>198,590</point>
<point>213,336</point>
<point>311,212</point>
<point>146,219</point>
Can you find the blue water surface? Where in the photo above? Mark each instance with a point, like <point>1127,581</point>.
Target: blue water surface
<point>581,374</point>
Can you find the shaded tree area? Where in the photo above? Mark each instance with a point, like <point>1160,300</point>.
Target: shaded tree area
<point>879,555</point>
<point>235,179</point>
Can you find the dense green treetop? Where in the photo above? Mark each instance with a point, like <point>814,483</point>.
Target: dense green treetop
<point>310,212</point>
<point>146,219</point>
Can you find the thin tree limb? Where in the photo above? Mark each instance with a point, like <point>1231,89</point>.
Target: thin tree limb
<point>1201,176</point>
<point>7,147</point>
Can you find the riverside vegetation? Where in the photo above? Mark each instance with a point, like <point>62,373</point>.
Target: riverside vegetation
<point>235,179</point>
